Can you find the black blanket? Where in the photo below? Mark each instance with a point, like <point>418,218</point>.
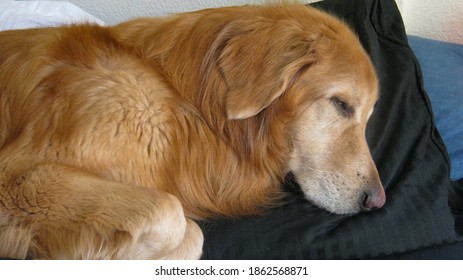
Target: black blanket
<point>423,208</point>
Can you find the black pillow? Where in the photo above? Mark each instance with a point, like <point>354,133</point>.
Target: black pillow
<point>422,207</point>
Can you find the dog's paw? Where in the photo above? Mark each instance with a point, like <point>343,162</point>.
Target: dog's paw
<point>191,248</point>
<point>165,235</point>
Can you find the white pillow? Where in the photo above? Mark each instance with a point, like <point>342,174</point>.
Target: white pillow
<point>29,14</point>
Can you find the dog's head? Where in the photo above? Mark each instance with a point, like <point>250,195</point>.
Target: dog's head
<point>312,64</point>
<point>291,87</point>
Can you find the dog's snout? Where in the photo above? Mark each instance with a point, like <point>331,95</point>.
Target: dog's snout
<point>373,198</point>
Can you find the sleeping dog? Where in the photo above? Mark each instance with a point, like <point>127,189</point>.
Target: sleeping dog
<point>113,140</point>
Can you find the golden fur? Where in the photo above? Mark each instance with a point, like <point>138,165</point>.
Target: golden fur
<point>112,139</point>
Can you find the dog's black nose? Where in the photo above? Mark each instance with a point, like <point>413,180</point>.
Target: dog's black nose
<point>373,198</point>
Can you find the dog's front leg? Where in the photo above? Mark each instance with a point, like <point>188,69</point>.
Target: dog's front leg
<point>57,212</point>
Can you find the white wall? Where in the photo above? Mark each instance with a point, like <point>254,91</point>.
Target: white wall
<point>442,20</point>
<point>114,11</point>
<point>438,19</point>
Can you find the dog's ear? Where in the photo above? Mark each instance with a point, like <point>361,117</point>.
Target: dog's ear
<point>259,60</point>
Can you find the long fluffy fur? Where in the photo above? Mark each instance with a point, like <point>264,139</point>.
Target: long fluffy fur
<point>98,124</point>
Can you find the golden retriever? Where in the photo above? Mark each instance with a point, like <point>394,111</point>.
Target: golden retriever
<point>114,139</point>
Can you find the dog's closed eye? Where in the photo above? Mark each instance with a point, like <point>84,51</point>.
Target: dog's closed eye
<point>343,107</point>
